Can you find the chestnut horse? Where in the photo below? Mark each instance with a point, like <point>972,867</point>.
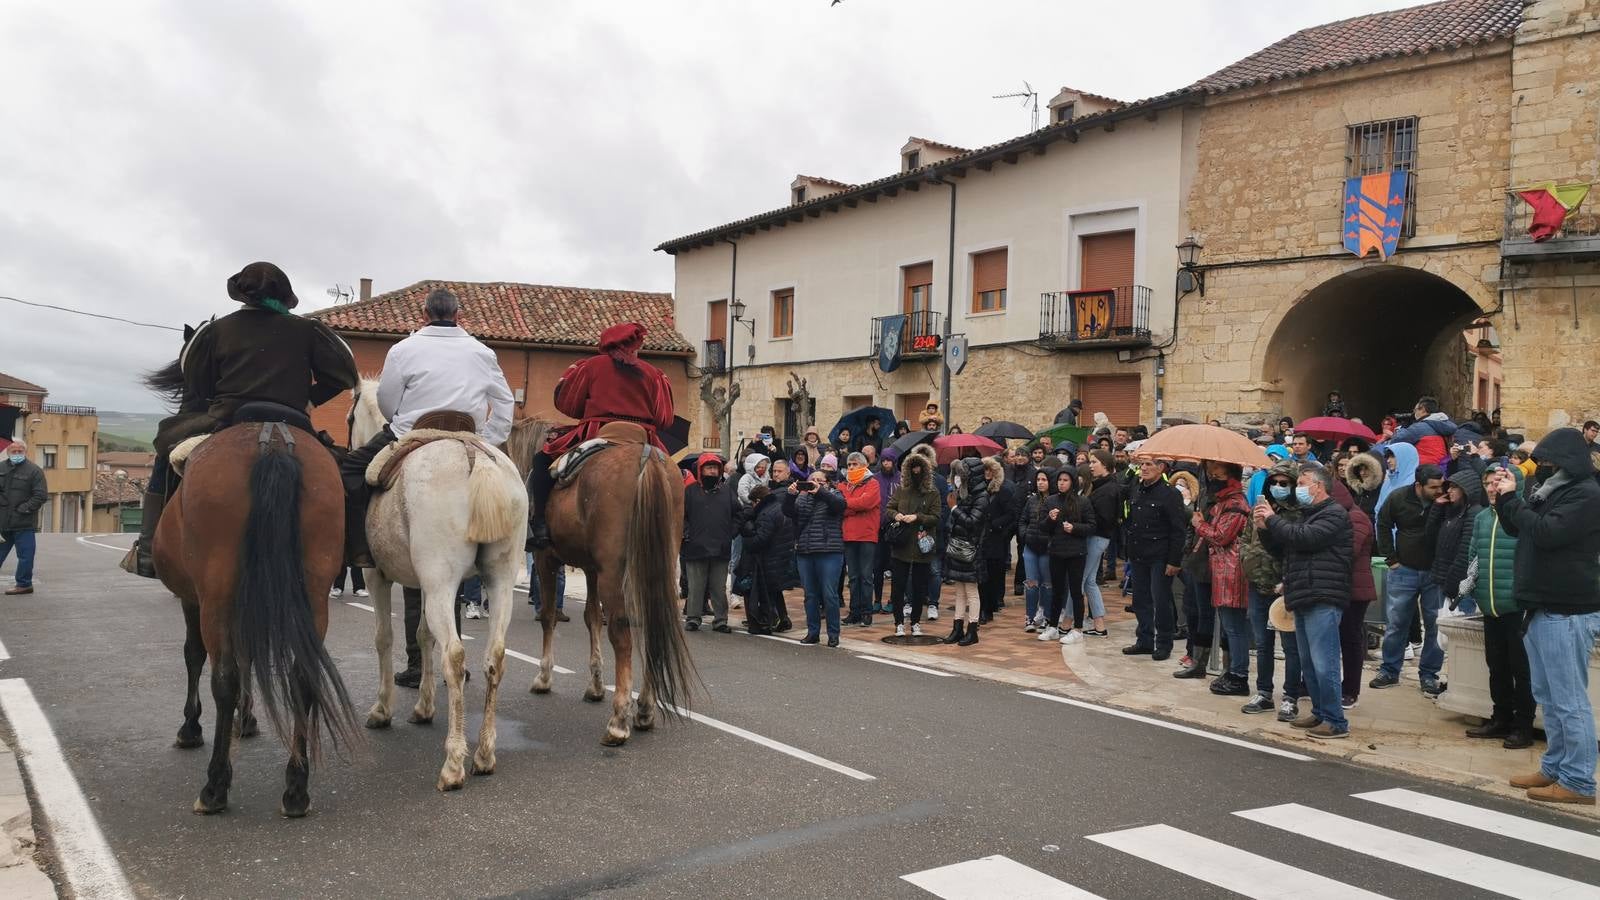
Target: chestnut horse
<point>620,522</point>
<point>249,543</point>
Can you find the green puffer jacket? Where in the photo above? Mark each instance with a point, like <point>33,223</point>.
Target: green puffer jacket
<point>1492,562</point>
<point>1262,569</point>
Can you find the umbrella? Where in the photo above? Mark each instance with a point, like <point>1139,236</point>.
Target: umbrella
<point>856,420</point>
<point>903,446</point>
<point>675,437</point>
<point>1075,434</point>
<point>1201,443</point>
<point>1004,431</point>
<point>1333,428</point>
<point>949,447</point>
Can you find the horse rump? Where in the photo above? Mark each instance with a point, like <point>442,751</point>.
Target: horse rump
<point>649,586</point>
<point>276,633</point>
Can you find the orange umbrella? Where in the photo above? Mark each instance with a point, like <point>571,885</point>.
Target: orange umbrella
<point>1201,443</point>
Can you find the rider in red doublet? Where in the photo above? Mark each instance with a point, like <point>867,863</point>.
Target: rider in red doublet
<point>615,385</point>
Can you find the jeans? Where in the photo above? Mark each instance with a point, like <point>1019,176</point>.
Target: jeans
<point>1509,680</point>
<point>471,591</point>
<point>561,586</point>
<point>861,559</point>
<point>1091,576</point>
<point>1558,661</point>
<point>819,573</point>
<point>1316,630</point>
<point>1236,632</point>
<point>1198,612</point>
<point>1401,589</point>
<point>1353,645</point>
<point>910,585</point>
<point>935,582</point>
<point>1036,589</point>
<point>23,540</point>
<point>1266,662</point>
<point>1152,604</point>
<point>704,575</point>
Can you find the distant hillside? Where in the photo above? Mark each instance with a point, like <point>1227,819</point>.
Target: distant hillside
<point>117,442</point>
<point>137,427</point>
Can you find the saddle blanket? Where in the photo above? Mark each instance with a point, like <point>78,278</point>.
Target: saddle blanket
<point>385,465</point>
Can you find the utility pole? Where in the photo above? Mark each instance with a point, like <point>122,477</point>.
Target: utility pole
<point>949,305</point>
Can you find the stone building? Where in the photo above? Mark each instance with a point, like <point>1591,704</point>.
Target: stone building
<point>62,440</point>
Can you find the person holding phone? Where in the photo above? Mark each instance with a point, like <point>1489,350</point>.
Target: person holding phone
<point>817,509</point>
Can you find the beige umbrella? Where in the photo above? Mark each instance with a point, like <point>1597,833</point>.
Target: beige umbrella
<point>1201,443</point>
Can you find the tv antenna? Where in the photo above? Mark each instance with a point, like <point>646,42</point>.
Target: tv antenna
<point>1029,97</point>
<point>341,293</point>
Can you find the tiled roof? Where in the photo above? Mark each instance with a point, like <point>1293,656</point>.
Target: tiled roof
<point>1402,32</point>
<point>517,313</point>
<point>126,459</point>
<point>937,145</point>
<point>1088,95</point>
<point>818,179</point>
<point>8,383</point>
<point>107,490</point>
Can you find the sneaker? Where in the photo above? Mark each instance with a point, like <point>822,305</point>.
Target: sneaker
<point>692,625</point>
<point>335,593</point>
<point>1030,627</point>
<point>1096,632</point>
<point>1288,710</point>
<point>905,611</point>
<point>1186,662</point>
<point>1072,637</point>
<point>362,592</point>
<point>933,612</point>
<point>1412,650</point>
<point>916,629</point>
<point>473,611</point>
<point>1261,704</point>
<point>1348,702</point>
<point>899,631</point>
<point>1230,686</point>
<point>1432,687</point>
<point>1326,732</point>
<point>1050,634</point>
<point>1383,681</point>
<point>1306,722</point>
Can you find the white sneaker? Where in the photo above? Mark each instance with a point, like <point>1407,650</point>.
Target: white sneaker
<point>933,614</point>
<point>1288,710</point>
<point>916,629</point>
<point>362,592</point>
<point>1411,650</point>
<point>474,611</point>
<point>736,603</point>
<point>1031,627</point>
<point>336,592</point>
<point>899,631</point>
<point>905,611</point>
<point>1050,634</point>
<point>1072,637</point>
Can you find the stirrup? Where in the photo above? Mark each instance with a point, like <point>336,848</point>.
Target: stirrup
<point>138,562</point>
<point>539,535</point>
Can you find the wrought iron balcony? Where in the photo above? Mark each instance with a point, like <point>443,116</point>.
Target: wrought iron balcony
<point>714,358</point>
<point>921,335</point>
<point>1112,317</point>
<point>1577,237</point>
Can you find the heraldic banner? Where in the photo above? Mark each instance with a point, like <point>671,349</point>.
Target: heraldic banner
<point>1374,209</point>
<point>891,330</point>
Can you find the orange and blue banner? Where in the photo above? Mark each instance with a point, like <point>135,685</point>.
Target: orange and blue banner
<point>1374,210</point>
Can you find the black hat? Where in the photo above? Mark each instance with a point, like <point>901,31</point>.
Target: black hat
<point>259,282</point>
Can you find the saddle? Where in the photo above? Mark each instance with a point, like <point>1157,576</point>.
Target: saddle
<point>566,467</point>
<point>253,412</point>
<point>440,425</point>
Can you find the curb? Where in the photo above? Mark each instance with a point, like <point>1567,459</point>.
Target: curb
<point>21,878</point>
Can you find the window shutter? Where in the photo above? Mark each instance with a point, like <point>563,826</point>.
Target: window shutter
<point>1115,395</point>
<point>988,274</point>
<point>1107,261</point>
<point>921,273</point>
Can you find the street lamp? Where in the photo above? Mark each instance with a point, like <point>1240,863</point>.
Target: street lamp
<point>737,307</point>
<point>1191,277</point>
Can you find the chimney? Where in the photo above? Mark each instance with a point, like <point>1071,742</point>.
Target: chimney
<point>366,288</point>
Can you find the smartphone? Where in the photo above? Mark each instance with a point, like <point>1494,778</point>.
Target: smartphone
<point>806,486</point>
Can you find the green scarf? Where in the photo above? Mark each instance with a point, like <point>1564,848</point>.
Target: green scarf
<point>275,306</point>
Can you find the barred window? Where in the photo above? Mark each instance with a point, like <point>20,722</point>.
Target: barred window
<point>1386,146</point>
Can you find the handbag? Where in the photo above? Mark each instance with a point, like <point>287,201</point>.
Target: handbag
<point>894,533</point>
<point>960,550</point>
<point>925,542</point>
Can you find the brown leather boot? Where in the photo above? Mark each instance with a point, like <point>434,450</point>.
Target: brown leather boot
<point>1536,780</point>
<point>138,560</point>
<point>1555,793</point>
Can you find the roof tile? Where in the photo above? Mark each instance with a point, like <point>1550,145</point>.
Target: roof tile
<point>11,383</point>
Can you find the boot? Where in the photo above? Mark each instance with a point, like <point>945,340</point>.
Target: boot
<point>138,561</point>
<point>356,552</point>
<point>956,633</point>
<point>1197,664</point>
<point>1519,738</point>
<point>540,484</point>
<point>1491,728</point>
<point>971,638</point>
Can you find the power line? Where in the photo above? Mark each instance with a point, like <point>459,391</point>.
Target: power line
<point>79,312</point>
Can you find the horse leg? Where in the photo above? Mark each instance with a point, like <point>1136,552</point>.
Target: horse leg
<point>382,712</point>
<point>497,580</point>
<point>592,617</point>
<point>422,713</point>
<point>297,774</point>
<point>191,734</point>
<point>225,697</point>
<point>544,561</point>
<point>438,601</point>
<point>621,631</point>
<point>248,727</point>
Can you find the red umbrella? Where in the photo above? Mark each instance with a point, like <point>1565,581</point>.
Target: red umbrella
<point>949,446</point>
<point>1333,428</point>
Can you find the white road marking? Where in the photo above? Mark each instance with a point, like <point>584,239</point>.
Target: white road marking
<point>4,654</point>
<point>559,670</point>
<point>896,663</point>
<point>1482,872</point>
<point>1220,738</point>
<point>1227,867</point>
<point>775,637</point>
<point>994,876</point>
<point>85,541</point>
<point>86,860</point>
<point>360,606</point>
<point>1516,827</point>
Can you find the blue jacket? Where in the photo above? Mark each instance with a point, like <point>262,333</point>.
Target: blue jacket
<point>1404,473</point>
<point>1258,481</point>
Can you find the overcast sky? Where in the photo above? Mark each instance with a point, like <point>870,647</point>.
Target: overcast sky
<point>149,150</point>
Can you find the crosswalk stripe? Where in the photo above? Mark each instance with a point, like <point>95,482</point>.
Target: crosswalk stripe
<point>994,876</point>
<point>1503,824</point>
<point>1228,867</point>
<point>1442,860</point>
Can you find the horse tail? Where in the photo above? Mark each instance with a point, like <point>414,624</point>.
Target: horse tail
<point>492,514</point>
<point>649,586</point>
<point>276,632</point>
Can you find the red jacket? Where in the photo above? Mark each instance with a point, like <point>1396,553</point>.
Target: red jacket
<point>1220,534</point>
<point>861,505</point>
<point>599,390</point>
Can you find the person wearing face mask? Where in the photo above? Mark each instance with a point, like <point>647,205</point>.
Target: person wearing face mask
<point>1219,532</point>
<point>964,565</point>
<point>22,494</point>
<point>1408,546</point>
<point>915,507</point>
<point>710,522</point>
<point>1154,533</point>
<point>1263,571</point>
<point>888,479</point>
<point>863,505</point>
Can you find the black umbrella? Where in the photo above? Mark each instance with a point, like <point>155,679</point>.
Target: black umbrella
<point>856,420</point>
<point>675,436</point>
<point>1004,431</point>
<point>903,446</point>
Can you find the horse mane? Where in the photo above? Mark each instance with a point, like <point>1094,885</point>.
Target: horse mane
<point>167,383</point>
<point>526,438</point>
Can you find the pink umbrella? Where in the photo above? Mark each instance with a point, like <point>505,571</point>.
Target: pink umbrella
<point>1333,428</point>
<point>949,446</point>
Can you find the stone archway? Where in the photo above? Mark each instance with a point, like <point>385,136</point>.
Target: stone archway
<point>1381,335</point>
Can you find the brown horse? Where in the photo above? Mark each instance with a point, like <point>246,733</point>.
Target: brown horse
<point>249,543</point>
<point>620,522</point>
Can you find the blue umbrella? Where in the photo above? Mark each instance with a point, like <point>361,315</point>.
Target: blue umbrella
<point>856,420</point>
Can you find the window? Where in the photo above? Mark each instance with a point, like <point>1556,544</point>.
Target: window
<point>989,281</point>
<point>47,456</point>
<point>77,456</point>
<point>783,313</point>
<point>1387,146</point>
<point>18,400</point>
<point>1064,112</point>
<point>799,195</point>
<point>913,160</point>
<point>918,288</point>
<point>857,402</point>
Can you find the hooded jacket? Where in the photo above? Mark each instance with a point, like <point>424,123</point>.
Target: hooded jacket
<point>710,515</point>
<point>916,496</point>
<point>1493,561</point>
<point>1451,526</point>
<point>1069,507</point>
<point>750,479</point>
<point>769,539</point>
<point>1364,478</point>
<point>1263,567</point>
<point>1252,491</point>
<point>1431,437</point>
<point>1558,530</point>
<point>1105,498</point>
<point>1405,471</point>
<point>969,521</point>
<point>1362,588</point>
<point>1220,537</point>
<point>1033,524</point>
<point>1004,509</point>
<point>1316,555</point>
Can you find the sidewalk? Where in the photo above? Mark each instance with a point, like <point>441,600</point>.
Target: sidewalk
<point>20,876</point>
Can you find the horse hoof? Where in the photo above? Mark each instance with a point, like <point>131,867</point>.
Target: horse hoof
<point>594,696</point>
<point>613,739</point>
<point>248,727</point>
<point>420,719</point>
<point>540,688</point>
<point>189,741</point>
<point>296,811</point>
<point>201,807</point>
<point>643,723</point>
<point>450,784</point>
<point>376,721</point>
<point>479,768</point>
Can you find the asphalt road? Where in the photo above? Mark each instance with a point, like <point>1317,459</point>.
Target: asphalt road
<point>961,770</point>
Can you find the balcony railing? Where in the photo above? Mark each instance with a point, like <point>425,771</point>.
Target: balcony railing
<point>59,409</point>
<point>1113,317</point>
<point>714,359</point>
<point>1577,237</point>
<point>920,336</point>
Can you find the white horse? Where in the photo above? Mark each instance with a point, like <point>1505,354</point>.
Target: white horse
<point>444,520</point>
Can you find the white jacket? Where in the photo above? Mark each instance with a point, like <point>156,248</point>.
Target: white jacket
<point>440,367</point>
